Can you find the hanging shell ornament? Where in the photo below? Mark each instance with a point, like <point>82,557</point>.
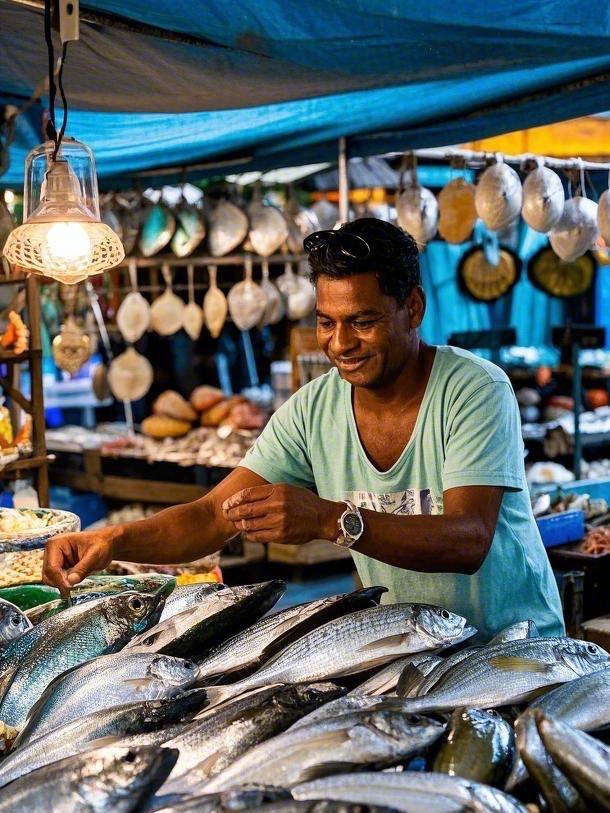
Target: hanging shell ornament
<point>166,312</point>
<point>543,198</point>
<point>72,348</point>
<point>416,210</point>
<point>274,309</point>
<point>299,292</point>
<point>246,300</point>
<point>190,230</point>
<point>227,228</point>
<point>577,231</point>
<point>215,306</point>
<point>268,228</point>
<point>457,213</point>
<point>485,281</point>
<point>130,376</point>
<point>131,216</point>
<point>498,195</point>
<point>603,215</point>
<point>157,230</point>
<point>192,315</point>
<point>133,316</point>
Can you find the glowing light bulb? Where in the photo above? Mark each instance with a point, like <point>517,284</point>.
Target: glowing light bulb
<point>67,246</point>
<point>9,196</point>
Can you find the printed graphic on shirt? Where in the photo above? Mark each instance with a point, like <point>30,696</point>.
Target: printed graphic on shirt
<point>409,501</point>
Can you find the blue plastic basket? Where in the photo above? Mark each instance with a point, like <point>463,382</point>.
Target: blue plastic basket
<point>559,529</point>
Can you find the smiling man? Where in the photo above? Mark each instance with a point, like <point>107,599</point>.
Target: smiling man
<point>407,454</point>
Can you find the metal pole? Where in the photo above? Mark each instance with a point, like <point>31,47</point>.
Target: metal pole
<point>343,181</point>
<point>576,395</point>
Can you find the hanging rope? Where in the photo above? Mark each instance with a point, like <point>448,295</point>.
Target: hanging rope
<point>51,129</point>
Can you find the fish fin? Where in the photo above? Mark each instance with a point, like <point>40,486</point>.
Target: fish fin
<point>410,677</point>
<point>100,742</point>
<point>390,641</point>
<point>514,664</point>
<point>220,694</point>
<point>137,683</point>
<point>326,769</point>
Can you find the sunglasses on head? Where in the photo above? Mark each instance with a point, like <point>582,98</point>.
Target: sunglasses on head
<point>336,245</point>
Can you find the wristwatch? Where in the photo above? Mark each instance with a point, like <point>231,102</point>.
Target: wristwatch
<point>351,526</point>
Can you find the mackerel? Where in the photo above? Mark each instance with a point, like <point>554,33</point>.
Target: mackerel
<point>13,623</point>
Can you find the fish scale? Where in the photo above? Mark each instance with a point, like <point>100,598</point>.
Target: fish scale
<point>354,643</point>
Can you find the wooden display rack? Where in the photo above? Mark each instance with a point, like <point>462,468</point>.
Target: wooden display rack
<point>37,464</point>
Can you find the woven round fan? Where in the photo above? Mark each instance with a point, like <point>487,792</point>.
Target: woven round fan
<point>483,281</point>
<point>556,277</point>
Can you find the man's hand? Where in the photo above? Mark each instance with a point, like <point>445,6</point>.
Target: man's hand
<point>68,558</point>
<point>282,513</point>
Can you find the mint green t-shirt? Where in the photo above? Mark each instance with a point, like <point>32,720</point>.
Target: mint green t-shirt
<point>467,433</point>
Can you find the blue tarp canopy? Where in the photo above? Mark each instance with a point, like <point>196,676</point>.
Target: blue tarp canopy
<point>155,86</point>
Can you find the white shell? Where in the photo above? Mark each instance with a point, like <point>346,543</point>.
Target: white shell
<point>498,196</point>
<point>133,317</point>
<point>228,227</point>
<point>130,376</point>
<point>577,230</point>
<point>214,306</point>
<point>192,320</point>
<point>543,199</point>
<point>603,216</point>
<point>417,213</point>
<point>247,304</point>
<point>166,313</point>
<point>268,228</point>
<point>299,292</point>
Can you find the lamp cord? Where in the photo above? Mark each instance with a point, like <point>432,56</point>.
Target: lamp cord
<point>51,130</point>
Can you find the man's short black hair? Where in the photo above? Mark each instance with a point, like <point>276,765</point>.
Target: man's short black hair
<point>393,257</point>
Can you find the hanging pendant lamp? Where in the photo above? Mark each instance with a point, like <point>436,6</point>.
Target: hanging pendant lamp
<point>62,235</point>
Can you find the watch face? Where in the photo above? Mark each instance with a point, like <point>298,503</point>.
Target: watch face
<point>352,524</point>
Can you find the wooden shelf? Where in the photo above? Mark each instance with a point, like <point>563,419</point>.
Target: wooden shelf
<point>19,357</point>
<point>26,463</point>
<point>230,259</point>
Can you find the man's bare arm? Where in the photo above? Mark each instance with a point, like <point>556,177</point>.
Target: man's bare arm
<point>178,534</point>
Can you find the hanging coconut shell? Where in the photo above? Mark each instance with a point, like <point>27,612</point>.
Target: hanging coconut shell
<point>543,199</point>
<point>416,206</point>
<point>457,213</point>
<point>486,282</point>
<point>561,278</point>
<point>274,309</point>
<point>215,306</point>
<point>299,293</point>
<point>498,196</point>
<point>268,228</point>
<point>603,216</point>
<point>227,228</point>
<point>130,376</point>
<point>577,231</point>
<point>167,311</point>
<point>192,315</point>
<point>246,301</point>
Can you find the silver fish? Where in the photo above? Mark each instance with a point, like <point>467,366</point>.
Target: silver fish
<point>354,643</point>
<point>101,628</point>
<point>581,703</point>
<point>402,791</point>
<point>511,673</point>
<point>106,780</point>
<point>211,744</point>
<point>110,680</point>
<point>186,596</point>
<point>244,798</point>
<point>350,703</point>
<point>416,682</point>
<point>478,745</point>
<point>259,643</point>
<point>13,623</point>
<point>193,633</point>
<point>559,793</point>
<point>102,726</point>
<point>584,760</point>
<point>516,632</point>
<point>357,740</point>
<point>385,681</point>
<point>43,611</point>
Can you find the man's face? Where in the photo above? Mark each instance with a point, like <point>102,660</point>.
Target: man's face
<point>363,331</point>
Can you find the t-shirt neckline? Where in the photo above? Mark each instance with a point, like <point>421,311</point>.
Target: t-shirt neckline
<point>347,388</point>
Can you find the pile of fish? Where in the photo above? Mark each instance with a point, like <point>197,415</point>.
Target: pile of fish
<point>143,696</point>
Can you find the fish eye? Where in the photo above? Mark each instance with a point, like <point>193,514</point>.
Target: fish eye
<point>444,614</point>
<point>189,665</point>
<point>136,604</point>
<point>130,756</point>
<point>15,620</point>
<point>592,649</point>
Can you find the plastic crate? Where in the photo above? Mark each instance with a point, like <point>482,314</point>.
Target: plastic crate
<point>90,507</point>
<point>558,529</point>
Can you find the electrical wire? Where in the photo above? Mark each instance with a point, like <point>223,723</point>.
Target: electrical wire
<point>52,133</point>
<point>64,101</point>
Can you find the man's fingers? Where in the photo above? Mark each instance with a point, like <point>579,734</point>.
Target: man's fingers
<point>247,495</point>
<point>88,562</point>
<point>250,510</point>
<point>257,524</point>
<point>58,555</point>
